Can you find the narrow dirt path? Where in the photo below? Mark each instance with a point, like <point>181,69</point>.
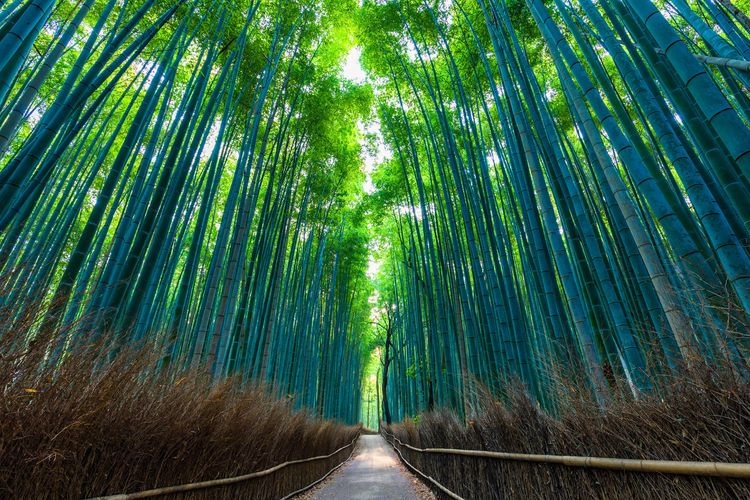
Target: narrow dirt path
<point>374,472</point>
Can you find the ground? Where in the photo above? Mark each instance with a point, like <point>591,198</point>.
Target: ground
<point>373,472</point>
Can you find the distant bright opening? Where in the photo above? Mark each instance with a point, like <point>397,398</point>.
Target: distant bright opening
<point>352,69</point>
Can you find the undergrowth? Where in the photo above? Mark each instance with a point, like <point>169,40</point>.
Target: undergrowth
<point>702,416</point>
<point>85,426</point>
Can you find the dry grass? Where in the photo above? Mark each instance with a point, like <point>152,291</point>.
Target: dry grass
<point>701,417</point>
<point>86,427</point>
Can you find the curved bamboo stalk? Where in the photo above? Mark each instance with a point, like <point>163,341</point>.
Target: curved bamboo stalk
<point>686,468</point>
<point>168,490</point>
<point>425,476</point>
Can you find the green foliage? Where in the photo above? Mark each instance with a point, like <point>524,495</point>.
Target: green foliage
<point>539,214</point>
<point>565,188</point>
<point>195,180</point>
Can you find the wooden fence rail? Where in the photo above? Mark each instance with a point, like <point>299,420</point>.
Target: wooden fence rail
<point>215,483</point>
<point>713,469</point>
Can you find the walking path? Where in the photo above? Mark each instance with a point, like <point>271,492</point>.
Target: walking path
<point>374,472</point>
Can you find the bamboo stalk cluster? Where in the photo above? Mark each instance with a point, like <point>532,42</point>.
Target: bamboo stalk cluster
<point>567,191</point>
<point>567,194</point>
<point>185,174</point>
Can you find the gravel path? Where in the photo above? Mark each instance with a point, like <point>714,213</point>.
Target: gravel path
<point>374,472</point>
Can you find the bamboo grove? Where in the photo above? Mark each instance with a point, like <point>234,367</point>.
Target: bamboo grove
<point>567,194</point>
<point>563,191</point>
<point>186,174</point>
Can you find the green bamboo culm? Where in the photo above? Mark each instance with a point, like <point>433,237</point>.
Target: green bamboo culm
<point>186,181</point>
<point>565,185</point>
<point>521,191</point>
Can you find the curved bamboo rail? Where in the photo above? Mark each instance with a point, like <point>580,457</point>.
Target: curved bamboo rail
<point>168,490</point>
<point>714,469</point>
<point>425,476</point>
<point>295,493</point>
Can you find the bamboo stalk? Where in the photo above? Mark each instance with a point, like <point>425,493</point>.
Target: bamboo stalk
<point>425,476</point>
<point>724,62</point>
<point>168,490</point>
<point>741,16</point>
<point>315,483</point>
<point>715,469</point>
